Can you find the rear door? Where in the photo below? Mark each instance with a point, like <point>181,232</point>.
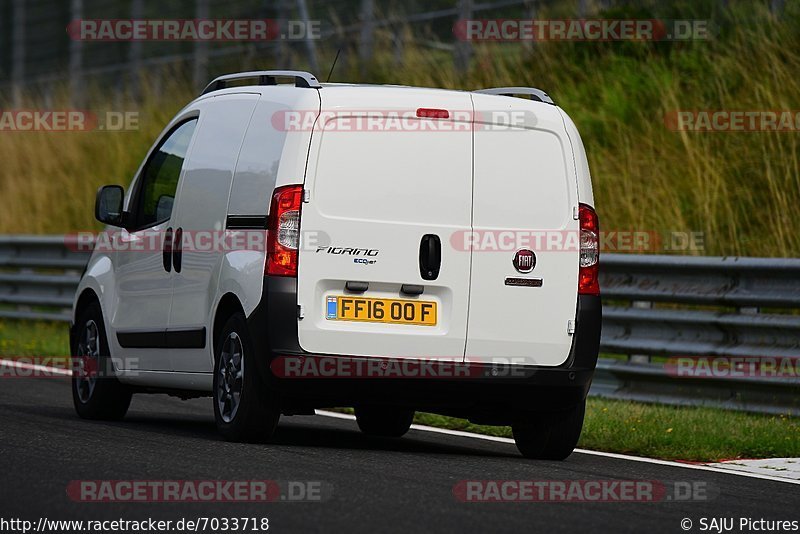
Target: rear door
<point>383,192</point>
<point>525,194</point>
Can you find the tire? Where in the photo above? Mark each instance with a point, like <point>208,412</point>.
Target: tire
<point>96,392</point>
<point>384,422</point>
<point>551,436</point>
<point>244,409</point>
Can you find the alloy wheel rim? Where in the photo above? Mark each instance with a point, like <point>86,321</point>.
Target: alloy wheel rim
<point>87,362</point>
<point>230,377</point>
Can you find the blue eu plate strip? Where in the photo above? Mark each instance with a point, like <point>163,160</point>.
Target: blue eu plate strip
<point>331,307</point>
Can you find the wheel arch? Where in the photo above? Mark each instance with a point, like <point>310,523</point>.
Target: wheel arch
<point>228,305</point>
<point>86,298</point>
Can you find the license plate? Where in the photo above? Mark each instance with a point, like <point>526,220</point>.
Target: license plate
<point>417,312</point>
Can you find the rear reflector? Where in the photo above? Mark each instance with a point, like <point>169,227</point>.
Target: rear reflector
<point>283,231</point>
<point>588,277</point>
<point>431,113</point>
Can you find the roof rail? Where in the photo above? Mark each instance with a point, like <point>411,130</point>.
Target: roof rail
<point>265,77</point>
<point>534,93</point>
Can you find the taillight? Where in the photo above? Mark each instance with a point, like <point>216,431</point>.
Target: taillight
<point>283,231</point>
<point>588,282</point>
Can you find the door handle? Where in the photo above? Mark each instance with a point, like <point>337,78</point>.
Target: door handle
<point>430,257</point>
<point>357,287</point>
<point>412,289</point>
<point>167,250</point>
<point>177,250</point>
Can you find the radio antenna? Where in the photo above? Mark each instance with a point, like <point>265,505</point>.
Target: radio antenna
<point>334,65</point>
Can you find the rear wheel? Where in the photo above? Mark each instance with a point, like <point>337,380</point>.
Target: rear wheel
<point>549,436</point>
<point>96,392</point>
<point>384,422</point>
<point>244,409</point>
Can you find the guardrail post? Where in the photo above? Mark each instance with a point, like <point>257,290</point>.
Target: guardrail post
<point>283,59</point>
<point>398,45</point>
<point>531,9</point>
<point>17,51</point>
<point>463,48</point>
<point>135,53</point>
<point>367,35</point>
<point>640,358</point>
<point>76,90</point>
<point>200,67</point>
<point>311,48</point>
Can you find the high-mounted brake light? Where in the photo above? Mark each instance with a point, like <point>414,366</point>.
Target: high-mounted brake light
<point>283,231</point>
<point>431,113</point>
<point>588,279</point>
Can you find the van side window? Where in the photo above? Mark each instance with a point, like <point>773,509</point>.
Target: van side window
<point>160,177</point>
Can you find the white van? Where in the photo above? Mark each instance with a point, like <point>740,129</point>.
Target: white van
<point>291,246</point>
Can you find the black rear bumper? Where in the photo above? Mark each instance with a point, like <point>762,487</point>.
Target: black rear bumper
<point>488,393</point>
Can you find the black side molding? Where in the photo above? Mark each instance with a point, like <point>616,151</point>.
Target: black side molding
<point>143,339</point>
<point>191,338</point>
<point>246,222</point>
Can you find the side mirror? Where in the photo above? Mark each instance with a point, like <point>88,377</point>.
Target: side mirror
<point>108,205</point>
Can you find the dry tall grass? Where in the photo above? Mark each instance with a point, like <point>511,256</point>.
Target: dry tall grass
<point>741,189</point>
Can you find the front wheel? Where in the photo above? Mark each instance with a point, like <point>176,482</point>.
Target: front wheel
<point>244,410</point>
<point>96,392</point>
<point>384,422</point>
<point>549,436</point>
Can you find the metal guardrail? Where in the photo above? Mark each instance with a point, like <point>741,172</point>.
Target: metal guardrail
<point>723,308</point>
<point>38,277</point>
<point>653,307</point>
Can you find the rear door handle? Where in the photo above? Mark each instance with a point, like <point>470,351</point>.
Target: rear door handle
<point>357,287</point>
<point>430,257</point>
<point>167,250</point>
<point>412,289</point>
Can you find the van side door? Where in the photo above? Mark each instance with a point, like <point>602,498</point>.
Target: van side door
<point>143,281</point>
<point>200,221</point>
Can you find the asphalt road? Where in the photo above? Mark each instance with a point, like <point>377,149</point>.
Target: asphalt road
<point>369,485</point>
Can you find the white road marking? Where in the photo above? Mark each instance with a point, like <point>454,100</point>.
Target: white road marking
<point>462,434</point>
<point>787,467</point>
<point>36,367</point>
<point>699,467</point>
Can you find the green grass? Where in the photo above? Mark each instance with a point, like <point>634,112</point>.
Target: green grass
<point>697,434</point>
<point>741,190</point>
<point>34,339</point>
<point>666,432</point>
<point>674,433</point>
